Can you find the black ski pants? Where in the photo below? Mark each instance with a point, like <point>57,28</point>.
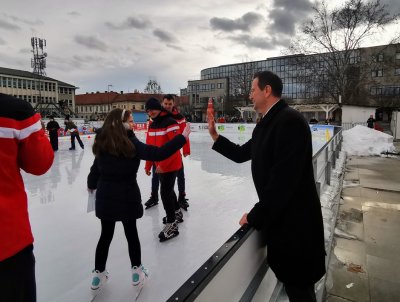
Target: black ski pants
<point>17,277</point>
<point>74,135</point>
<point>54,140</point>
<point>168,196</point>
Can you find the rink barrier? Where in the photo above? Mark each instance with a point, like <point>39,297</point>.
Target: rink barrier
<point>324,161</point>
<point>238,270</point>
<point>212,281</point>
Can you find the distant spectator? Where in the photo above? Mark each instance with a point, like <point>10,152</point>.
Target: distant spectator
<point>221,119</point>
<point>313,121</point>
<point>378,127</point>
<point>371,121</point>
<point>53,128</point>
<point>249,120</point>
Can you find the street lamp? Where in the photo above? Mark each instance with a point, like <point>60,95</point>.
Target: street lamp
<point>108,95</point>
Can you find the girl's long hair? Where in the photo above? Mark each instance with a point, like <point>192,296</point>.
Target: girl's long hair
<point>113,138</point>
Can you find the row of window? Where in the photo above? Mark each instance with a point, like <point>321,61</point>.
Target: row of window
<point>385,90</point>
<point>95,108</point>
<point>26,84</point>
<point>205,87</point>
<point>9,82</point>
<point>379,72</point>
<point>35,99</point>
<point>104,108</point>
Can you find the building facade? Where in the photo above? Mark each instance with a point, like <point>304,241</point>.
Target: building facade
<point>48,96</point>
<point>96,105</point>
<point>375,69</point>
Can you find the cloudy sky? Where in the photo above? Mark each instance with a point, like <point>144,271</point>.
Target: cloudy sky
<point>94,43</point>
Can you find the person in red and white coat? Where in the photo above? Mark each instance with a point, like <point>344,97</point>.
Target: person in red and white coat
<point>168,104</point>
<point>162,129</point>
<point>25,146</point>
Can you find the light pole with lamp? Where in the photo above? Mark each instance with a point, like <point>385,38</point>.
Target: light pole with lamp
<point>108,96</point>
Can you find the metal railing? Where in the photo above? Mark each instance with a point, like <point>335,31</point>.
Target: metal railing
<point>238,270</point>
<point>325,160</point>
<point>347,126</point>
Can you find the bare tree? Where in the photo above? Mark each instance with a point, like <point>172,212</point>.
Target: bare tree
<point>333,64</point>
<point>153,87</point>
<point>241,78</point>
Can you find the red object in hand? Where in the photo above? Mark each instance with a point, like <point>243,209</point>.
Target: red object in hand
<point>210,107</point>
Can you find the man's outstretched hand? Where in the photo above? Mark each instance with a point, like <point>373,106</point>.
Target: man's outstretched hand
<point>211,127</point>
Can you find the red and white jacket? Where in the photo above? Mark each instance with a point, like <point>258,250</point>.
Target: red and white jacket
<point>23,146</point>
<point>181,120</point>
<point>161,130</point>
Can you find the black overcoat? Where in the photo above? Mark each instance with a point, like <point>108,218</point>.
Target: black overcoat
<point>289,209</point>
<point>118,194</point>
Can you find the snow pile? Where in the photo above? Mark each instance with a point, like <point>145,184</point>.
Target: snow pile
<point>364,141</point>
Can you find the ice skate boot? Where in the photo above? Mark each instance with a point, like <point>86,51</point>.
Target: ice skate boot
<point>169,231</point>
<point>139,275</point>
<point>98,279</point>
<point>153,200</point>
<point>178,217</point>
<point>182,200</point>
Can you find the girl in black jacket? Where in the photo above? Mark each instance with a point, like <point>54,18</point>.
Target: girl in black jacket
<point>117,158</point>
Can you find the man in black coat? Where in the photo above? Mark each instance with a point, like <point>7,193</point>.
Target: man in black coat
<point>53,127</point>
<point>289,209</point>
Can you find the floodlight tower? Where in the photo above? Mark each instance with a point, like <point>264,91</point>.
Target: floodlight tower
<point>38,63</point>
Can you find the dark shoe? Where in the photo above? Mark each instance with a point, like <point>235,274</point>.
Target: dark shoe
<point>183,202</point>
<point>178,217</point>
<point>151,202</point>
<point>71,148</point>
<point>169,231</point>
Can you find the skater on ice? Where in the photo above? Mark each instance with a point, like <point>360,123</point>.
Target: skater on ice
<point>163,129</point>
<point>114,175</point>
<point>74,132</point>
<point>169,105</point>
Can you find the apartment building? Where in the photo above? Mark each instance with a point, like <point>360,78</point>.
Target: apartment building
<point>96,105</point>
<point>48,96</point>
<point>376,68</point>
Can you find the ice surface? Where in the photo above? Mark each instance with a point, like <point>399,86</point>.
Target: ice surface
<point>219,192</point>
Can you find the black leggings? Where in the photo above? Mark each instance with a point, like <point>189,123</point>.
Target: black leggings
<point>107,233</point>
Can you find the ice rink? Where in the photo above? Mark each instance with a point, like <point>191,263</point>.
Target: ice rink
<point>219,192</point>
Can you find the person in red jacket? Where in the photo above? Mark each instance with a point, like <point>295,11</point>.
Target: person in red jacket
<point>168,104</point>
<point>162,129</point>
<point>25,146</point>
